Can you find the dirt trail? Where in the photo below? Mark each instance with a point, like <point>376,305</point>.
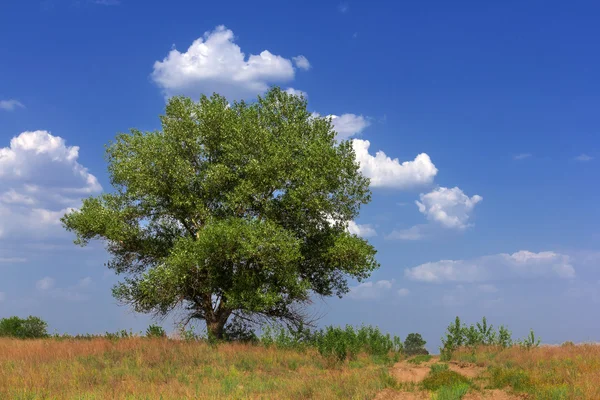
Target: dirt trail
<point>409,373</point>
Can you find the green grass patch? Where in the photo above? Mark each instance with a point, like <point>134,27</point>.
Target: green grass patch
<point>515,378</point>
<point>435,368</point>
<point>444,378</point>
<point>454,392</point>
<point>420,359</point>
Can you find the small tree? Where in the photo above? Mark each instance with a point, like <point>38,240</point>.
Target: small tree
<point>231,210</point>
<point>415,344</point>
<point>27,328</point>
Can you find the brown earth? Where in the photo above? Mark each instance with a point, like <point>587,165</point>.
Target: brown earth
<point>408,373</point>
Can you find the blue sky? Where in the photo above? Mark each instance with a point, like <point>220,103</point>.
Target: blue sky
<point>478,124</point>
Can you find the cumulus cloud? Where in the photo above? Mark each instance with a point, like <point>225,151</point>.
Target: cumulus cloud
<point>403,292</point>
<point>584,158</point>
<point>370,290</point>
<point>387,172</point>
<point>10,105</point>
<point>522,264</point>
<point>365,230</point>
<point>214,63</point>
<point>40,180</point>
<point>348,125</point>
<point>301,62</point>
<point>451,208</point>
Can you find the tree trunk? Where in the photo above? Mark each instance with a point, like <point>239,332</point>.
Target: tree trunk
<point>215,329</point>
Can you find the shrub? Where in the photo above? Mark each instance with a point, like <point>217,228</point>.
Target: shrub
<point>28,328</point>
<point>454,392</point>
<point>239,331</point>
<point>530,341</point>
<point>420,359</point>
<point>435,368</point>
<point>155,331</point>
<point>414,344</point>
<point>442,378</point>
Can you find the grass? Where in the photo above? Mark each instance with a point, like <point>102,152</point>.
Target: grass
<point>139,368</point>
<point>454,392</point>
<point>445,384</point>
<point>419,359</point>
<point>547,372</point>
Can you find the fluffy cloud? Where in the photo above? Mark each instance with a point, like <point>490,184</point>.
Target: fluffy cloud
<point>348,125</point>
<point>214,63</point>
<point>522,264</point>
<point>365,230</point>
<point>387,172</point>
<point>449,207</point>
<point>40,180</point>
<point>12,260</point>
<point>10,105</point>
<point>403,292</point>
<point>370,290</point>
<point>301,62</point>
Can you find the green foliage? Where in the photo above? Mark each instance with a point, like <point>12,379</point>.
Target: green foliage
<point>435,368</point>
<point>334,342</point>
<point>444,378</point>
<point>230,208</point>
<point>23,328</point>
<point>501,377</point>
<point>420,359</point>
<point>530,341</point>
<point>155,331</point>
<point>414,344</point>
<point>238,330</point>
<point>122,334</point>
<point>454,392</point>
<point>481,334</point>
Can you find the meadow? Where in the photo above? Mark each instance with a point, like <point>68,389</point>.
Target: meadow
<point>333,363</point>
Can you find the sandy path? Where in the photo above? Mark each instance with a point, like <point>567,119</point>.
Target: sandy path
<point>405,372</point>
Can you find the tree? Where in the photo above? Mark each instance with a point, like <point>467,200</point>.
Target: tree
<point>23,328</point>
<point>415,344</point>
<point>230,211</point>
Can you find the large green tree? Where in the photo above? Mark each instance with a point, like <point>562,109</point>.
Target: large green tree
<point>230,210</point>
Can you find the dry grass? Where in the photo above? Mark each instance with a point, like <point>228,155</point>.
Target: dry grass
<point>139,368</point>
<point>547,372</point>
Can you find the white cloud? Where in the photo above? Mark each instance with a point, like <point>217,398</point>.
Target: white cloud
<point>214,63</point>
<point>522,264</point>
<point>413,233</point>
<point>370,290</point>
<point>348,125</point>
<point>45,284</point>
<point>365,230</point>
<point>449,207</point>
<point>403,292</point>
<point>522,156</point>
<point>10,105</point>
<point>40,180</point>
<point>301,62</point>
<point>296,92</point>
<point>387,172</point>
<point>584,158</point>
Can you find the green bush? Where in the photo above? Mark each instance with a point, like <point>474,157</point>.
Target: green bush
<point>415,344</point>
<point>443,378</point>
<point>435,368</point>
<point>155,331</point>
<point>28,328</point>
<point>454,392</point>
<point>239,331</point>
<point>419,359</point>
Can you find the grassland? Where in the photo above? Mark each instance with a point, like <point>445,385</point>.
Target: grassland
<point>141,368</point>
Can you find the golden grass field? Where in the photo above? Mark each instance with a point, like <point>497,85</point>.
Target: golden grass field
<point>141,368</point>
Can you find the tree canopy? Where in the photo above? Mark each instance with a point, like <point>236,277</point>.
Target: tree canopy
<point>230,210</point>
